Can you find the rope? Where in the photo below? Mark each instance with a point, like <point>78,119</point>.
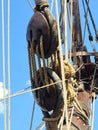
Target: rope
<point>34,64</point>
<point>79,108</point>
<point>3,64</point>
<point>90,35</point>
<point>30,65</point>
<point>40,68</point>
<point>71,29</point>
<point>93,113</point>
<point>52,3</point>
<point>64,22</point>
<point>41,2</point>
<point>29,2</point>
<point>86,23</point>
<point>28,91</point>
<point>32,116</point>
<point>71,118</point>
<point>43,59</point>
<point>8,64</point>
<point>62,69</point>
<point>94,26</point>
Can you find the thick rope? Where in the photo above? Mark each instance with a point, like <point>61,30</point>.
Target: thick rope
<point>3,64</point>
<point>30,64</point>
<point>41,2</point>
<point>34,64</point>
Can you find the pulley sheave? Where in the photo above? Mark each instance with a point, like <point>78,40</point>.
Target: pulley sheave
<point>38,26</point>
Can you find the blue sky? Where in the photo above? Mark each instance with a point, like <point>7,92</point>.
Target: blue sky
<point>21,106</point>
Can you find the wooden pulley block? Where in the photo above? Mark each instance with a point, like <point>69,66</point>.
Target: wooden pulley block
<point>37,27</point>
<point>42,25</point>
<point>47,98</point>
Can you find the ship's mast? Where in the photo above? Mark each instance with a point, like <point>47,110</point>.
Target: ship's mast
<point>64,89</point>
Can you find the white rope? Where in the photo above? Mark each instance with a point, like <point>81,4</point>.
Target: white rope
<point>64,20</point>
<point>71,118</point>
<point>52,3</point>
<point>8,64</point>
<point>71,28</point>
<point>3,64</point>
<point>28,91</point>
<point>62,69</point>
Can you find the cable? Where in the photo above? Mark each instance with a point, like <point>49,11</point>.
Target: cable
<point>3,64</point>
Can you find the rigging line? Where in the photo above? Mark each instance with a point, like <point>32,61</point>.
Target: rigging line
<point>64,21</point>
<point>85,14</point>
<point>8,64</point>
<point>52,3</point>
<point>30,64</point>
<point>43,60</point>
<point>71,117</point>
<point>92,82</point>
<point>41,126</point>
<point>93,46</point>
<point>62,67</point>
<point>3,64</point>
<point>29,2</point>
<point>32,117</point>
<point>68,14</point>
<point>88,27</point>
<point>93,113</point>
<point>94,26</point>
<point>71,29</point>
<point>28,91</point>
<point>85,24</point>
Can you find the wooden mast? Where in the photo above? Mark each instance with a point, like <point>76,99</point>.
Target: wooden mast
<point>79,85</point>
